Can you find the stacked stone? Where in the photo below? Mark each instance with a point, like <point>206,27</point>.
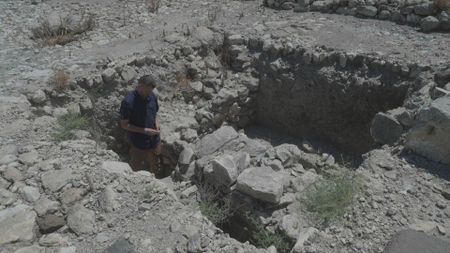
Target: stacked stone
<point>425,15</point>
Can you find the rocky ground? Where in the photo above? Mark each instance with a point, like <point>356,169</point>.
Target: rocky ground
<point>214,60</point>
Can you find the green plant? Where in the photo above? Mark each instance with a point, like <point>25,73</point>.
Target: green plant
<point>216,212</point>
<point>64,32</point>
<point>328,198</point>
<point>67,124</point>
<point>214,205</point>
<point>262,238</point>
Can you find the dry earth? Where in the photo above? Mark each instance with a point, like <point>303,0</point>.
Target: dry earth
<point>79,196</point>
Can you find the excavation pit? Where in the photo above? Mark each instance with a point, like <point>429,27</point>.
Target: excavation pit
<point>323,102</point>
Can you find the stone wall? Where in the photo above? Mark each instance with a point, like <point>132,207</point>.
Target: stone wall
<point>327,93</point>
<point>424,14</point>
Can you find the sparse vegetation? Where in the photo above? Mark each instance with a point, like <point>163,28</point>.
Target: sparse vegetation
<point>442,5</point>
<point>65,31</point>
<point>60,80</point>
<point>186,30</point>
<point>213,205</point>
<point>262,238</point>
<point>244,225</point>
<point>67,124</point>
<point>215,212</point>
<point>328,198</point>
<point>153,5</point>
<point>213,13</point>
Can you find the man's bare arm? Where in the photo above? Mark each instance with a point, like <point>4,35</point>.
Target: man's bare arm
<point>158,126</point>
<point>125,124</point>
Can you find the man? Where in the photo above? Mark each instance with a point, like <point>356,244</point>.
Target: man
<point>138,116</point>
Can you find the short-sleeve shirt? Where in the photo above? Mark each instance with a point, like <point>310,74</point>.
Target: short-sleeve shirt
<point>140,112</point>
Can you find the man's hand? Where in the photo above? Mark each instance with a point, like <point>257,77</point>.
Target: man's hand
<point>151,131</point>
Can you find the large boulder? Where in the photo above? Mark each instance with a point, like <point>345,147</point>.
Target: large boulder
<point>444,18</point>
<point>225,170</point>
<point>17,224</point>
<point>385,129</point>
<point>431,137</point>
<point>108,199</point>
<point>303,236</point>
<point>367,11</point>
<point>425,9</point>
<point>186,157</point>
<point>261,183</point>
<point>118,168</point>
<point>410,241</point>
<point>442,77</point>
<point>429,24</point>
<point>81,220</point>
<point>120,246</point>
<point>54,180</point>
<point>7,198</point>
<point>214,141</point>
<point>288,154</point>
<point>49,223</point>
<point>31,249</point>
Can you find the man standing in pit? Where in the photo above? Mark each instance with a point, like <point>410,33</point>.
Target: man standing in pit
<point>138,117</point>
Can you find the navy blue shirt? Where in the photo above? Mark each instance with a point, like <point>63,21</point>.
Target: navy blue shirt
<point>140,112</point>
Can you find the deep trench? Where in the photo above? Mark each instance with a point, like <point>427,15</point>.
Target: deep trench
<point>326,103</point>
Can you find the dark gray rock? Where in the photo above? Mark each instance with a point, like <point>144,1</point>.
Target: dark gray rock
<point>50,223</point>
<point>367,11</point>
<point>442,77</point>
<point>413,19</point>
<point>320,5</point>
<point>120,246</point>
<point>384,14</point>
<point>447,87</point>
<point>425,9</point>
<point>444,18</point>
<point>402,115</point>
<point>38,97</point>
<point>385,129</point>
<point>410,241</point>
<point>429,24</point>
<point>110,76</point>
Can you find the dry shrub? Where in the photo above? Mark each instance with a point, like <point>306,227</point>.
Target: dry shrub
<point>64,32</point>
<point>60,80</point>
<point>181,85</point>
<point>213,14</point>
<point>443,5</point>
<point>182,82</point>
<point>153,5</point>
<point>330,197</point>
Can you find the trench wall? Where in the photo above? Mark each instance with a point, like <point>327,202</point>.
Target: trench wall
<point>332,96</point>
